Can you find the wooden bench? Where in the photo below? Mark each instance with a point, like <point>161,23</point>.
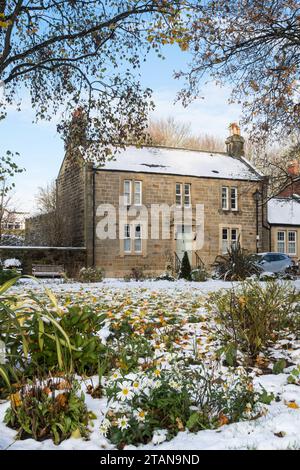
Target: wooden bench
<point>47,270</point>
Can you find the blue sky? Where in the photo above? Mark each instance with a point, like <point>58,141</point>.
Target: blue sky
<point>42,150</point>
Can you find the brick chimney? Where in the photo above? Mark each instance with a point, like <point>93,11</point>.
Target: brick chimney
<point>235,142</point>
<point>294,168</point>
<point>76,134</point>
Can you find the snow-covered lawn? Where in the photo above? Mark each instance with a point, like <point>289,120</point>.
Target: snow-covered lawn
<point>277,428</point>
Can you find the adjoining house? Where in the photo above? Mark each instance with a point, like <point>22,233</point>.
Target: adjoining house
<point>284,220</point>
<point>12,227</point>
<point>284,215</point>
<point>13,221</point>
<point>152,179</point>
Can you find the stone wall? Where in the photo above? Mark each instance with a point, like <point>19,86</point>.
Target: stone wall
<point>72,260</point>
<point>160,189</point>
<point>71,200</point>
<point>42,230</point>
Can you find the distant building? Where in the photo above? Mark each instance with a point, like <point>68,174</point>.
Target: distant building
<point>13,221</point>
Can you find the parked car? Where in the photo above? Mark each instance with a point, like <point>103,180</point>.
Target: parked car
<point>274,262</point>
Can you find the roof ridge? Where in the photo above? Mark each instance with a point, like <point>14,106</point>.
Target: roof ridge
<point>169,147</point>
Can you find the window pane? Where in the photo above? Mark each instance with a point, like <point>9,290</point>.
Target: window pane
<point>137,245</point>
<point>138,192</point>
<point>234,236</point>
<point>127,192</point>
<point>234,198</point>
<point>187,195</point>
<point>281,242</point>
<point>292,243</point>
<point>178,194</point>
<point>126,231</point>
<point>224,197</point>
<point>127,243</point>
<point>138,231</point>
<point>224,240</point>
<point>138,240</point>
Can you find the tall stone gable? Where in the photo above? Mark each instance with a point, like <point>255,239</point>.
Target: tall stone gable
<point>74,183</point>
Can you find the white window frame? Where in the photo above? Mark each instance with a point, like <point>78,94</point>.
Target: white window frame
<point>138,184</point>
<point>187,195</point>
<point>178,194</point>
<point>225,241</point>
<point>126,237</point>
<point>127,195</point>
<point>229,241</point>
<point>281,241</point>
<point>234,242</point>
<point>289,252</point>
<point>225,198</point>
<point>234,198</point>
<point>138,238</point>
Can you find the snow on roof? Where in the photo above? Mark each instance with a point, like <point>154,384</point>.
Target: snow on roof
<point>284,211</point>
<point>182,162</point>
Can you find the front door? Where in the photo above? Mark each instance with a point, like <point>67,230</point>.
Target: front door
<point>184,241</point>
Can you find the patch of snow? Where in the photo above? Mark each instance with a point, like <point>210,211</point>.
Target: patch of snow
<point>284,211</point>
<point>181,162</point>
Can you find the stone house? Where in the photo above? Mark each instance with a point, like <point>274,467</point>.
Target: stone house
<point>220,192</point>
<point>284,220</point>
<point>284,216</point>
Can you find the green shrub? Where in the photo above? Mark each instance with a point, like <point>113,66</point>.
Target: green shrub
<point>26,326</point>
<point>252,317</point>
<point>237,265</point>
<point>7,274</point>
<point>127,351</point>
<point>199,275</point>
<point>81,324</point>
<point>175,400</point>
<point>91,274</point>
<point>42,410</point>
<point>39,336</point>
<point>185,270</point>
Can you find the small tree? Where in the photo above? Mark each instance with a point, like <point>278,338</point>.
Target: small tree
<point>185,271</point>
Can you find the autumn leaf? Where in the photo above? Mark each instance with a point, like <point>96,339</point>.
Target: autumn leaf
<point>223,419</point>
<point>15,399</point>
<point>76,434</point>
<point>292,404</point>
<point>180,424</point>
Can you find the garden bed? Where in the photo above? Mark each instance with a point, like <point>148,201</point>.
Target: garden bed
<point>175,322</point>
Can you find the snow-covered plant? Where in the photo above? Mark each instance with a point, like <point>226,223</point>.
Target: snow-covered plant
<point>12,263</point>
<point>199,275</point>
<point>173,399</point>
<point>91,274</point>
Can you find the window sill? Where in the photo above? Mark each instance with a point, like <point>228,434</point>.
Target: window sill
<point>229,211</point>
